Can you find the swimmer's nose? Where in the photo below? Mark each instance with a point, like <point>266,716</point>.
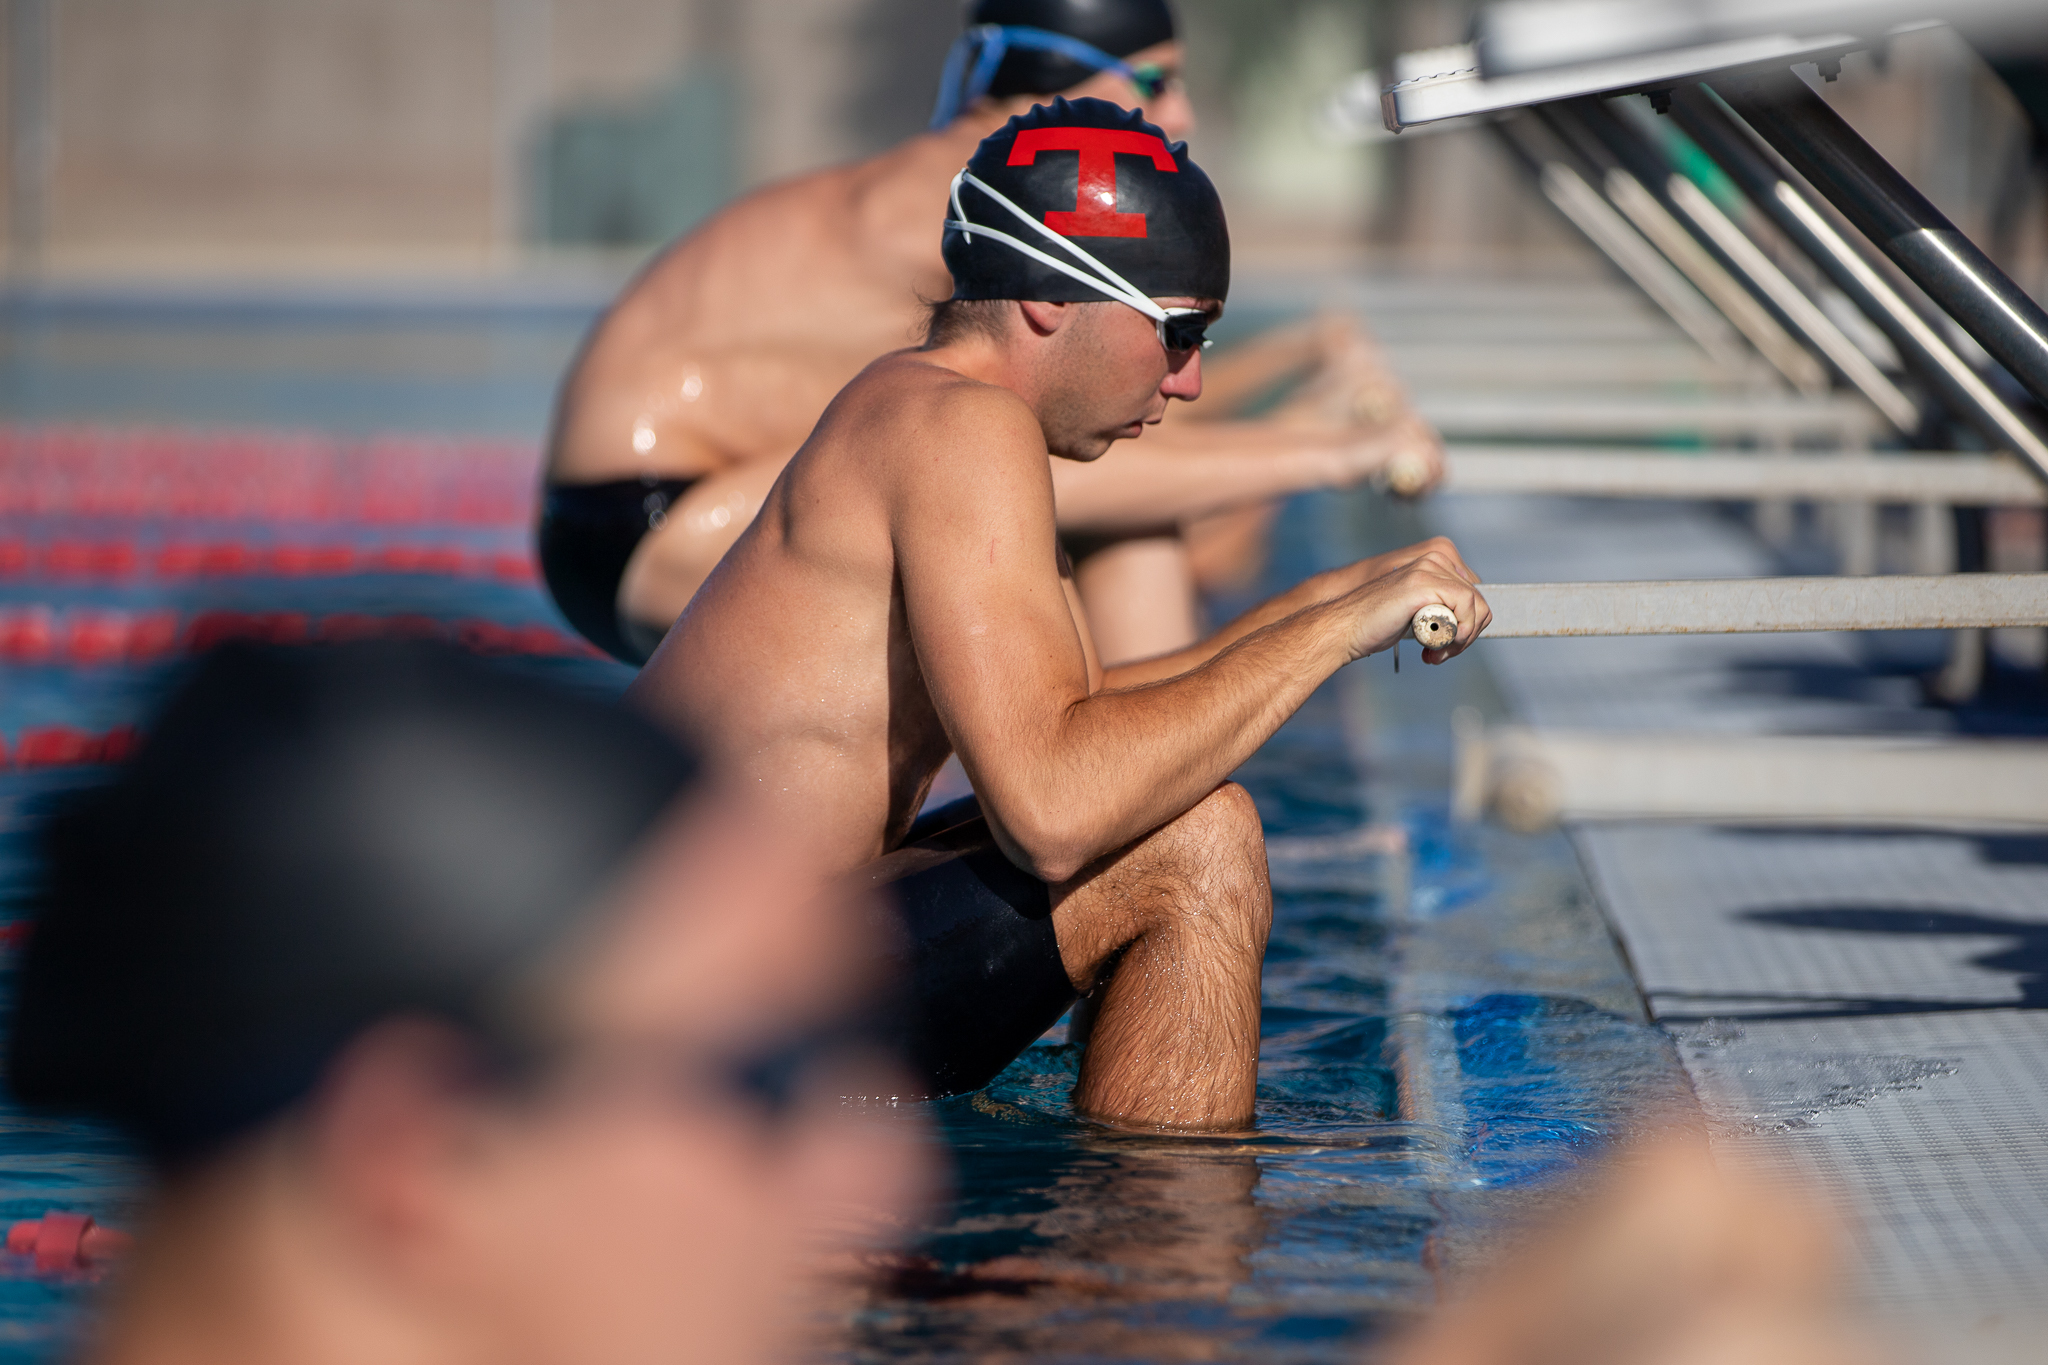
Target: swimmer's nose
<point>1183,376</point>
<point>1175,116</point>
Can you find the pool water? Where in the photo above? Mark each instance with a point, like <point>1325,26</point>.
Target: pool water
<point>1448,1030</point>
<point>1333,1221</point>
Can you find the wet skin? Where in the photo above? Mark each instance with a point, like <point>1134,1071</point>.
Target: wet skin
<point>900,598</point>
<point>717,361</point>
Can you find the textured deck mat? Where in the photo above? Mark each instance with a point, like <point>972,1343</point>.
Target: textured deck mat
<point>1863,1014</point>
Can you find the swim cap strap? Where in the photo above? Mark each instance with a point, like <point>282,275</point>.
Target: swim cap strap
<point>1109,282</point>
<point>987,44</point>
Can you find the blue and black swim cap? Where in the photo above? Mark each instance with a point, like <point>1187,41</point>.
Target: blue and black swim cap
<point>1078,201</point>
<point>1041,47</point>
<point>309,841</point>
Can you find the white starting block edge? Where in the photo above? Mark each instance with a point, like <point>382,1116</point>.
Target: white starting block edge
<point>1444,82</point>
<point>1520,36</point>
<point>1948,479</point>
<point>1535,778</point>
<point>1743,606</point>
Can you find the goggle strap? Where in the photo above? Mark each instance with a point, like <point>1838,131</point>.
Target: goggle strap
<point>951,82</point>
<point>991,43</point>
<point>1147,307</point>
<point>1045,40</point>
<point>995,45</point>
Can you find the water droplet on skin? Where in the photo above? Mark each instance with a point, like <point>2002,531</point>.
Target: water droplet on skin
<point>693,388</point>
<point>643,438</point>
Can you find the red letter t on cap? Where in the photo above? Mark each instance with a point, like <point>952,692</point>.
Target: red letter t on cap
<point>1095,212</point>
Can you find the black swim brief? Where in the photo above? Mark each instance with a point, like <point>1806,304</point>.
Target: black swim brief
<point>977,956</point>
<point>588,532</point>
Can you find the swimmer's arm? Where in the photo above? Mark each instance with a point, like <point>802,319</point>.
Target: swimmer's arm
<point>1322,587</point>
<point>1174,473</point>
<point>1064,776</point>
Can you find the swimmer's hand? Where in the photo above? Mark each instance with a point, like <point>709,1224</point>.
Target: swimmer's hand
<point>1406,459</point>
<point>1381,610</point>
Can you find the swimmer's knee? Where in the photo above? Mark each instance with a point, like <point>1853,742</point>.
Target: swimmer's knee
<point>1225,819</point>
<point>1220,843</point>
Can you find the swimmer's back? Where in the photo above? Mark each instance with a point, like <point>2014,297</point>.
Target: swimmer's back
<point>794,663</point>
<point>808,279</point>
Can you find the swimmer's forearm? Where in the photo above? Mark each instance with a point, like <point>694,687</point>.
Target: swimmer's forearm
<point>1250,369</point>
<point>1095,772</point>
<point>1123,762</point>
<point>1321,587</point>
<point>1161,480</point>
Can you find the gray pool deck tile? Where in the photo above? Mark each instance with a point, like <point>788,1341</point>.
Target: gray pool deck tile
<point>1863,1014</point>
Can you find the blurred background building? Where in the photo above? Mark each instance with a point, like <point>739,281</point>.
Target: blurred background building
<point>245,138</point>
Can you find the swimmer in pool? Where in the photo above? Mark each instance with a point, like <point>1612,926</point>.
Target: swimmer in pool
<point>903,596</point>
<point>712,367</point>
<point>463,1021</point>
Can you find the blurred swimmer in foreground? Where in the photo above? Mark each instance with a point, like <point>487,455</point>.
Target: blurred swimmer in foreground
<point>463,1021</point>
<point>696,388</point>
<point>1669,1261</point>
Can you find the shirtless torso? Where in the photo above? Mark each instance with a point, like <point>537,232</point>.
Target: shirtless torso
<point>733,341</point>
<point>900,598</point>
<point>715,363</point>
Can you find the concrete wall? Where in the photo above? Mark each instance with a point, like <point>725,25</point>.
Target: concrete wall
<point>255,125</point>
<point>252,136</point>
<point>243,133</point>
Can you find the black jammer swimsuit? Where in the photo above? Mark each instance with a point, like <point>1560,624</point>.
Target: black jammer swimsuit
<point>976,955</point>
<point>588,532</point>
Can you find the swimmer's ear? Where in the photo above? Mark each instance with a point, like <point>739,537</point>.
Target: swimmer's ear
<point>1045,318</point>
<point>390,1130</point>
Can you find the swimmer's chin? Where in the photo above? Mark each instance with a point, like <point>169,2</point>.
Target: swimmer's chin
<point>1086,451</point>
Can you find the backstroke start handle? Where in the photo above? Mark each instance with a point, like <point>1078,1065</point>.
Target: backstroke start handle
<point>1435,627</point>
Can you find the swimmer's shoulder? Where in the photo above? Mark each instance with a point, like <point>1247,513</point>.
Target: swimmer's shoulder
<point>894,202</point>
<point>917,414</point>
<point>920,390</point>
<point>767,229</point>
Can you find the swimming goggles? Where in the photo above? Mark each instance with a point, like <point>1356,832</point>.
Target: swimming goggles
<point>985,46</point>
<point>1179,329</point>
<point>769,1077</point>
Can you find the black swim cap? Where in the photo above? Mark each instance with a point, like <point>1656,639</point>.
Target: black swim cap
<point>309,841</point>
<point>1098,177</point>
<point>1117,27</point>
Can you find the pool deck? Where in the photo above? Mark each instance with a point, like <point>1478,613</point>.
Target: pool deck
<point>1861,1013</point>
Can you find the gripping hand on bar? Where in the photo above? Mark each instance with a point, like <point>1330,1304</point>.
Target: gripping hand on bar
<point>1435,627</point>
<point>1389,593</point>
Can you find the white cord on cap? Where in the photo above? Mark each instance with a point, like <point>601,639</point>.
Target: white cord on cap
<point>1113,284</point>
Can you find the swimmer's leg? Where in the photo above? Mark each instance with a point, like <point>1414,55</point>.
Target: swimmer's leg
<point>1226,552</point>
<point>673,560</point>
<point>1169,935</point>
<point>1140,598</point>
